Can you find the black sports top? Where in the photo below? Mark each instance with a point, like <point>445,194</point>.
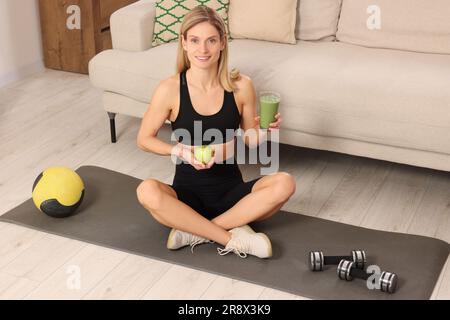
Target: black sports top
<point>227,119</point>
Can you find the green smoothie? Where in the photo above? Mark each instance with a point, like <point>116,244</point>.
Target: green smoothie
<point>268,107</point>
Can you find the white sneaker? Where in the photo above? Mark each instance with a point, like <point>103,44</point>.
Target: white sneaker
<point>178,239</point>
<point>245,228</point>
<point>244,242</point>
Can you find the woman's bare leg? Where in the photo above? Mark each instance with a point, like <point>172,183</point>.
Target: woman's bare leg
<point>268,195</point>
<point>162,203</point>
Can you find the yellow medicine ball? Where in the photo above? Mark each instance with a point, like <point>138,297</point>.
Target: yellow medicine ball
<point>58,191</point>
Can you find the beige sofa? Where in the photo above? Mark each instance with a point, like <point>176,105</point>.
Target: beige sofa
<point>378,97</point>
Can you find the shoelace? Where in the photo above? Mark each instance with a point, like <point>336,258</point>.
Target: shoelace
<point>195,240</point>
<point>198,241</point>
<point>239,251</point>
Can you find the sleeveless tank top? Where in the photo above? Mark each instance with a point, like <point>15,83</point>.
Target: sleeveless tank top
<point>225,122</point>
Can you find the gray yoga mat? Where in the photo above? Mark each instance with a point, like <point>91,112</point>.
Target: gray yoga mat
<point>111,216</point>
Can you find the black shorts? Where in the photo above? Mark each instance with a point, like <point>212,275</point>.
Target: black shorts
<point>212,191</point>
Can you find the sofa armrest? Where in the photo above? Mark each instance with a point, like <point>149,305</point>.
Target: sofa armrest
<point>132,26</point>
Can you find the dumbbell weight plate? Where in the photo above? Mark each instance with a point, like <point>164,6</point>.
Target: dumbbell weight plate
<point>343,270</point>
<point>359,257</point>
<point>388,282</point>
<point>316,260</point>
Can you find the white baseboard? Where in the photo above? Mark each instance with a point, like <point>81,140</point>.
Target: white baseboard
<point>21,73</point>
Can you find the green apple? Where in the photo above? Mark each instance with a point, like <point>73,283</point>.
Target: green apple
<point>203,153</point>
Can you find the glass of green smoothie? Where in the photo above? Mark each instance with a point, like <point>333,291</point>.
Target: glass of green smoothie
<point>268,107</point>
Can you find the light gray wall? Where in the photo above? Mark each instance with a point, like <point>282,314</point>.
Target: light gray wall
<point>20,40</point>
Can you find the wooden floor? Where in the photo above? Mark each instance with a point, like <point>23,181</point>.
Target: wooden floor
<point>56,118</point>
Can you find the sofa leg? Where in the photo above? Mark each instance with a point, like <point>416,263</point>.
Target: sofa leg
<point>112,125</point>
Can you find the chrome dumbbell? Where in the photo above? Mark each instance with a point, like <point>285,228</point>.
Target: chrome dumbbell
<point>317,260</point>
<point>347,271</point>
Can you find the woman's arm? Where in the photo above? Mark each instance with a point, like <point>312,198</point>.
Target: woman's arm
<point>154,118</point>
<point>157,113</point>
<point>253,136</point>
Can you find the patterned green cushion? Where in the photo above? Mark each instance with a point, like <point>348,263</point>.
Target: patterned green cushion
<point>170,15</point>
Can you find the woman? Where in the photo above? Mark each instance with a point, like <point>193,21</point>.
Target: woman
<point>208,202</point>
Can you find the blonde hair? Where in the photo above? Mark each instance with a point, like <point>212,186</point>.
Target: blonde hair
<point>198,15</point>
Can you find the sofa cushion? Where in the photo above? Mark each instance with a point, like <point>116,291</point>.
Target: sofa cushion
<point>170,15</point>
<point>415,25</point>
<point>334,89</point>
<point>388,97</point>
<point>317,19</point>
<point>263,20</point>
<point>133,74</point>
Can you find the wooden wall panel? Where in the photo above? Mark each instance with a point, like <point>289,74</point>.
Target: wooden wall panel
<point>71,49</point>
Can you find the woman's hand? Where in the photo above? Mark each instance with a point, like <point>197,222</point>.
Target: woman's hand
<point>212,161</point>
<point>187,153</point>
<point>276,125</point>
<point>272,126</point>
<point>198,164</point>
